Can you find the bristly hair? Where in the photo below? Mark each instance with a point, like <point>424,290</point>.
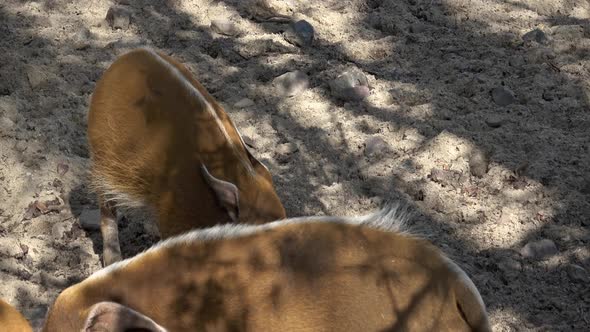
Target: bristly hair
<point>392,218</point>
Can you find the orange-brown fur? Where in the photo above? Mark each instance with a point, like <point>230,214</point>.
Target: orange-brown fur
<point>310,275</point>
<point>150,128</point>
<point>12,320</point>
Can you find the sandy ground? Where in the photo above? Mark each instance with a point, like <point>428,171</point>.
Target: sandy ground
<point>483,132</point>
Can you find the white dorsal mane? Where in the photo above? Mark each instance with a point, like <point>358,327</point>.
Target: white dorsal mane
<point>392,218</point>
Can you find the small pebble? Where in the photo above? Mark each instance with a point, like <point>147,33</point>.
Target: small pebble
<point>35,76</point>
<point>518,182</point>
<point>509,266</point>
<point>300,33</point>
<point>361,92</point>
<point>478,163</point>
<point>62,169</point>
<point>118,17</point>
<point>244,103</point>
<point>548,95</point>
<point>9,247</point>
<point>5,90</point>
<point>186,35</point>
<point>90,219</point>
<point>503,96</point>
<point>522,168</point>
<point>417,28</point>
<point>58,230</point>
<point>291,83</point>
<point>516,61</point>
<point>287,148</point>
<point>418,194</point>
<point>536,35</point>
<point>442,176</point>
<point>57,184</point>
<point>571,32</point>
<point>408,95</point>
<point>47,279</point>
<point>495,121</point>
<point>249,141</point>
<point>351,85</point>
<point>224,27</point>
<point>375,146</point>
<point>81,40</point>
<point>577,273</point>
<point>539,249</point>
<point>6,124</point>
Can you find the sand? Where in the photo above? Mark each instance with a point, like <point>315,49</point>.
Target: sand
<point>481,129</point>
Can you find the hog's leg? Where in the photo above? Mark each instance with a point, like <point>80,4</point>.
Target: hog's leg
<point>111,252</point>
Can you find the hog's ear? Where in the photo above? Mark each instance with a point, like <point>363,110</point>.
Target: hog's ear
<point>114,317</point>
<point>225,192</point>
<point>259,167</point>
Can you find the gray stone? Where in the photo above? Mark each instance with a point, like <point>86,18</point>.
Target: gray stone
<point>287,148</point>
<point>81,40</point>
<point>478,163</point>
<point>548,95</point>
<point>90,219</point>
<point>351,85</point>
<point>408,94</point>
<point>516,61</point>
<point>224,27</point>
<point>10,247</point>
<point>249,141</point>
<point>572,32</point>
<point>375,146</point>
<point>62,169</point>
<point>539,249</point>
<point>291,83</point>
<point>577,273</point>
<point>495,121</point>
<point>536,35</point>
<point>300,33</point>
<point>503,96</point>
<point>118,17</point>
<point>58,230</point>
<point>36,76</point>
<point>509,266</point>
<point>6,124</point>
<point>186,35</point>
<point>21,146</point>
<point>418,28</point>
<point>360,92</point>
<point>244,103</point>
<point>46,279</point>
<point>444,177</point>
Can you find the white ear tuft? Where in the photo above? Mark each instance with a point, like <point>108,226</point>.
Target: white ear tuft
<point>114,317</point>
